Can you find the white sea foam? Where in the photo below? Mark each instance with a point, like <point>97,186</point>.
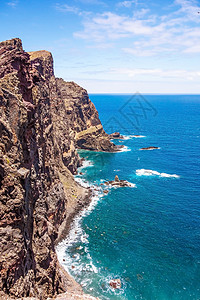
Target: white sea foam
<point>150,149</point>
<point>132,185</point>
<point>145,172</point>
<point>138,136</point>
<point>86,164</point>
<point>82,182</point>
<point>129,137</point>
<point>71,250</point>
<point>125,149</point>
<point>169,175</point>
<point>78,236</point>
<point>104,285</point>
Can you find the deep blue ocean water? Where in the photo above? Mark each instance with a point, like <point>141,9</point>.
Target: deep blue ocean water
<point>148,236</point>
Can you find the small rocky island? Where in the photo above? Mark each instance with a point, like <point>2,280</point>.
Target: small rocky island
<point>116,135</point>
<point>119,183</point>
<point>115,283</point>
<point>150,148</point>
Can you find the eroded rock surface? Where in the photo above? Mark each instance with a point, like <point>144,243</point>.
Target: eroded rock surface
<point>119,183</point>
<point>116,135</point>
<point>42,121</point>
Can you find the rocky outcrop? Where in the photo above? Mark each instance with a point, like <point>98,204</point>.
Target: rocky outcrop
<point>42,121</point>
<point>116,135</point>
<point>150,148</point>
<point>84,118</point>
<point>119,183</point>
<point>115,283</point>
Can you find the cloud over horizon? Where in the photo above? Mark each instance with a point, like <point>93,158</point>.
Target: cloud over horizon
<point>147,34</point>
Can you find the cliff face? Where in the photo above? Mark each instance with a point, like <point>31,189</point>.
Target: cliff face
<point>42,121</point>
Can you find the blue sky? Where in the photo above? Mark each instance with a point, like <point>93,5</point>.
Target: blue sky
<point>113,46</point>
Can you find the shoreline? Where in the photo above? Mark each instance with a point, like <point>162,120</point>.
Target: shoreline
<point>88,202</point>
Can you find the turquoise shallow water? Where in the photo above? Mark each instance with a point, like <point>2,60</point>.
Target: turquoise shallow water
<point>148,236</point>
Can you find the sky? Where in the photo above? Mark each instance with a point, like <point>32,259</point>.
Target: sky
<point>111,46</point>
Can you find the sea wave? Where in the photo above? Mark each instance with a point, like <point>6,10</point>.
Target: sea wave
<point>127,137</point>
<point>125,149</point>
<point>85,164</point>
<point>146,172</point>
<point>73,252</point>
<point>138,136</point>
<point>82,182</point>
<point>130,136</point>
<point>77,236</point>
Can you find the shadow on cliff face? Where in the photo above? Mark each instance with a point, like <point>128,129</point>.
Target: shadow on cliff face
<point>2,173</point>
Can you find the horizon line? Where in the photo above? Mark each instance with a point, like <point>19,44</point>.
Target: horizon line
<point>159,94</point>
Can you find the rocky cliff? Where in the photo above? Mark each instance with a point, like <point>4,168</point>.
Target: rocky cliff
<point>43,120</point>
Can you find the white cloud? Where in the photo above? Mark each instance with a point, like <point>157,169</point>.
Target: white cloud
<point>147,34</point>
<point>110,26</point>
<point>193,49</point>
<point>190,8</point>
<point>180,74</point>
<point>65,8</point>
<point>12,3</point>
<point>127,4</point>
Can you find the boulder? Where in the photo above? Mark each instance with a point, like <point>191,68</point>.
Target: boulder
<point>115,283</point>
<point>117,178</point>
<point>116,135</point>
<point>119,183</point>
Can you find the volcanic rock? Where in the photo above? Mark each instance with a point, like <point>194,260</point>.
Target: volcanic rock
<point>119,183</point>
<point>43,120</point>
<point>115,283</point>
<point>116,135</point>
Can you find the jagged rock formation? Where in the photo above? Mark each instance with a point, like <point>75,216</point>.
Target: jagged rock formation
<point>84,118</point>
<point>42,121</point>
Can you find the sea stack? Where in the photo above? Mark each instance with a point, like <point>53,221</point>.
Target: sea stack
<point>116,178</point>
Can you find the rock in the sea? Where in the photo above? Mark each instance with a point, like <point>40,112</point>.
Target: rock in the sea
<point>116,135</point>
<point>106,191</point>
<point>116,178</point>
<point>119,183</point>
<point>115,283</point>
<point>149,148</point>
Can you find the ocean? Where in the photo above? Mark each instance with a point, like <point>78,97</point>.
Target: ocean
<point>148,236</point>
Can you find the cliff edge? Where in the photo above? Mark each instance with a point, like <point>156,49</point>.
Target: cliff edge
<point>43,120</point>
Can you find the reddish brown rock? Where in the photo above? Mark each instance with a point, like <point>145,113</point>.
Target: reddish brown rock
<point>42,121</point>
<point>115,283</point>
<point>116,135</point>
<point>116,178</point>
<point>119,183</point>
<point>149,148</point>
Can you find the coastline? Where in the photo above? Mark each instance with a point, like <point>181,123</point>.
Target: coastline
<point>71,232</point>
